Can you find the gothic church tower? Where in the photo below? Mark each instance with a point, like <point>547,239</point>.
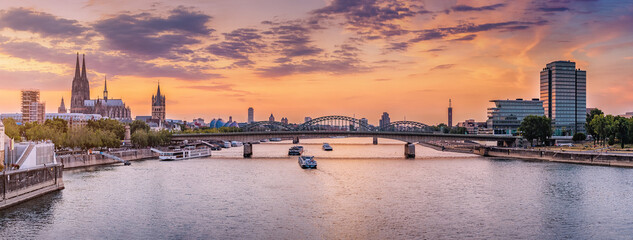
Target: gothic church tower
<point>158,105</point>
<point>80,88</point>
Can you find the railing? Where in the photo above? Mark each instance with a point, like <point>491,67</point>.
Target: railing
<point>14,182</point>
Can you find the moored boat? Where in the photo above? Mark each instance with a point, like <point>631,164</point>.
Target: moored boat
<point>327,147</point>
<point>295,150</point>
<point>307,162</point>
<point>184,153</point>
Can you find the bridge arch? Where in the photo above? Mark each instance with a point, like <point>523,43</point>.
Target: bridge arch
<point>335,123</point>
<point>267,126</point>
<point>407,126</point>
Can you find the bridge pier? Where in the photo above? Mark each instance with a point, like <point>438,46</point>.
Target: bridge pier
<point>295,140</point>
<point>409,150</point>
<point>375,140</point>
<point>248,150</point>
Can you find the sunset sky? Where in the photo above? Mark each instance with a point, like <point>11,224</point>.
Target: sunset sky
<point>297,58</point>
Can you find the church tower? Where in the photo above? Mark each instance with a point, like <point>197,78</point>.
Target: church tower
<point>62,107</point>
<point>105,88</point>
<point>80,88</point>
<point>158,105</point>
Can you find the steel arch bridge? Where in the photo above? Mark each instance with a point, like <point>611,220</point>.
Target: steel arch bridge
<point>267,126</point>
<point>335,123</point>
<point>407,126</point>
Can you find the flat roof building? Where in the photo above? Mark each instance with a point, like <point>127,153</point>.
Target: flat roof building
<point>564,95</point>
<point>506,116</point>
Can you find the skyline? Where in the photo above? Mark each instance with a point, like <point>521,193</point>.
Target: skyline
<point>323,57</point>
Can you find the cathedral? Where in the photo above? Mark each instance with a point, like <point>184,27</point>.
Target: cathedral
<point>80,101</point>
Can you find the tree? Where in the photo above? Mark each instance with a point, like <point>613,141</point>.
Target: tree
<point>12,129</point>
<point>110,125</point>
<point>536,127</point>
<point>579,137</point>
<point>590,116</point>
<point>138,124</point>
<point>140,139</point>
<point>598,126</point>
<point>58,124</point>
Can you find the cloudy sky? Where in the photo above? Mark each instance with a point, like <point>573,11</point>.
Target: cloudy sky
<point>315,57</point>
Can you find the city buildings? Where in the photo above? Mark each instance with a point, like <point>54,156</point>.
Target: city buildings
<point>472,127</point>
<point>564,95</point>
<point>32,109</point>
<point>106,107</point>
<point>506,116</point>
<point>364,123</point>
<point>284,120</point>
<point>384,120</point>
<point>271,118</point>
<point>158,106</point>
<point>251,115</point>
<point>75,120</point>
<point>450,113</point>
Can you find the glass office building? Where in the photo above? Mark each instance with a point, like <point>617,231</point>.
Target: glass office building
<point>506,116</point>
<point>564,95</point>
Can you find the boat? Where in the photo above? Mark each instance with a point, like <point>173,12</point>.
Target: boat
<point>184,153</point>
<point>327,147</point>
<point>264,140</point>
<point>295,150</point>
<point>225,144</point>
<point>236,144</point>
<point>275,139</point>
<point>307,162</point>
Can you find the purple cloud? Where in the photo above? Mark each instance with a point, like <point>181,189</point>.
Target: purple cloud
<point>45,24</point>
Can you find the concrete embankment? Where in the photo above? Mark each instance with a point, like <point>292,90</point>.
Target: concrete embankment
<point>22,185</point>
<point>89,160</point>
<point>590,158</point>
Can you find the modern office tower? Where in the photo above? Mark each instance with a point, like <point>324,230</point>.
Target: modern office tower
<point>32,109</point>
<point>251,117</point>
<point>506,116</point>
<point>384,120</point>
<point>564,96</point>
<point>158,106</point>
<point>450,113</point>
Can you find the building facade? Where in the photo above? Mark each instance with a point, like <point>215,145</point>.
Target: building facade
<point>564,96</point>
<point>32,109</point>
<point>62,107</point>
<point>158,106</point>
<point>251,115</point>
<point>506,116</point>
<point>106,107</point>
<point>384,120</point>
<point>271,118</point>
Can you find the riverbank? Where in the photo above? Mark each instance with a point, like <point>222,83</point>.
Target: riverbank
<point>22,185</point>
<point>89,160</point>
<point>588,158</point>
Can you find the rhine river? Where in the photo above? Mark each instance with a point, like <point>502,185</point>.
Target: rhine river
<point>359,191</point>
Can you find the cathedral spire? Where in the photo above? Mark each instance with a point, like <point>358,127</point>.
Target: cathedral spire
<point>77,73</point>
<point>158,91</point>
<point>105,88</point>
<point>83,68</point>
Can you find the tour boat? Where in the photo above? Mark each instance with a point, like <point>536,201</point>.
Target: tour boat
<point>185,153</point>
<point>307,162</point>
<point>295,150</point>
<point>327,147</point>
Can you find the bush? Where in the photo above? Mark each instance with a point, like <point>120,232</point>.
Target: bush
<point>579,137</point>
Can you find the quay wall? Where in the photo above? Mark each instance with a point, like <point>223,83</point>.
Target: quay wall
<point>21,185</point>
<point>89,160</point>
<point>603,159</point>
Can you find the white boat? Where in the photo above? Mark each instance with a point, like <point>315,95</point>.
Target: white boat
<point>185,153</point>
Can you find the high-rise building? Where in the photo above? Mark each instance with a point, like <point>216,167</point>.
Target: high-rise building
<point>32,109</point>
<point>564,96</point>
<point>507,115</point>
<point>384,120</point>
<point>450,113</point>
<point>363,124</point>
<point>62,107</point>
<point>271,118</point>
<point>251,117</point>
<point>158,106</point>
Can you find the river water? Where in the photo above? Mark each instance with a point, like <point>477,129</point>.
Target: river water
<point>359,191</point>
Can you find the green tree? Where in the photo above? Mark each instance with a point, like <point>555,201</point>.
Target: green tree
<point>110,125</point>
<point>58,124</point>
<point>590,116</point>
<point>140,139</point>
<point>536,127</point>
<point>12,129</point>
<point>598,126</point>
<point>579,137</point>
<point>138,124</point>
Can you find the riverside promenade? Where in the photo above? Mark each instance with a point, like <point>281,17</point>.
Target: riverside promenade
<point>588,158</point>
<point>72,161</point>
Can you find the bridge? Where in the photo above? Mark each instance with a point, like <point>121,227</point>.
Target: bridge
<point>295,136</point>
<point>337,123</point>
